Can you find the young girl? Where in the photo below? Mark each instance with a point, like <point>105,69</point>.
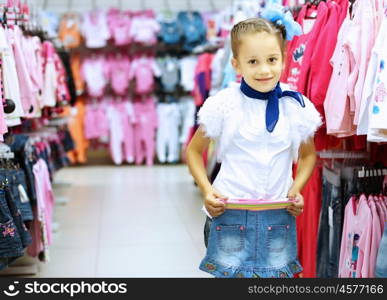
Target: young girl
<point>260,128</point>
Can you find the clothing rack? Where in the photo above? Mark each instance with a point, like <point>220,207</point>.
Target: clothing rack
<point>332,154</point>
<point>371,172</point>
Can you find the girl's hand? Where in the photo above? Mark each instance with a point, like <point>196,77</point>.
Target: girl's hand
<point>297,207</point>
<point>212,202</point>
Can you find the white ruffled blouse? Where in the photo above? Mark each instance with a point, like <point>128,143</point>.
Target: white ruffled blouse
<point>256,164</point>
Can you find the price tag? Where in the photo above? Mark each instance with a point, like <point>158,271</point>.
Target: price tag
<point>330,216</point>
<point>23,194</point>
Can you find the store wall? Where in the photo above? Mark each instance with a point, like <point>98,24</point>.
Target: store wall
<point>60,6</point>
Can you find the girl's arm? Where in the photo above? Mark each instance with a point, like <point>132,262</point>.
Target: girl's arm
<point>195,149</point>
<point>305,166</point>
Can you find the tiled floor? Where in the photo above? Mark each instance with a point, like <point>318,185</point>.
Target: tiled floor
<point>126,222</point>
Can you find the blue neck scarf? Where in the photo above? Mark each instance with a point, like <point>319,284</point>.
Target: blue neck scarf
<point>272,108</point>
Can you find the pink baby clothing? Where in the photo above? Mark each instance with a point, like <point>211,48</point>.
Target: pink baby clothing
<point>33,49</point>
<point>31,64</point>
<point>95,29</point>
<point>26,88</point>
<point>50,76</point>
<point>119,26</point>
<point>144,130</point>
<point>10,81</point>
<point>118,67</point>
<point>96,121</point>
<point>128,123</point>
<point>143,70</point>
<point>356,239</point>
<point>144,30</point>
<point>94,72</point>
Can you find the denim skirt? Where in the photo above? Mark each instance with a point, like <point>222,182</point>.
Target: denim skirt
<point>249,244</point>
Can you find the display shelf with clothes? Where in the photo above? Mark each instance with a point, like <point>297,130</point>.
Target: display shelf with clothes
<point>34,83</point>
<point>193,29</point>
<point>127,69</point>
<point>124,126</point>
<point>175,108</point>
<point>26,179</point>
<point>354,32</point>
<point>92,22</point>
<point>335,180</point>
<point>339,54</point>
<point>363,225</point>
<point>16,212</point>
<point>34,86</point>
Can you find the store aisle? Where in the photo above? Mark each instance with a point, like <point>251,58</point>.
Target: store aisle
<point>126,222</point>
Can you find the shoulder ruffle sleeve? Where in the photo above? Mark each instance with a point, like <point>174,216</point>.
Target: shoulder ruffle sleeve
<point>309,120</point>
<point>211,116</point>
<point>305,121</point>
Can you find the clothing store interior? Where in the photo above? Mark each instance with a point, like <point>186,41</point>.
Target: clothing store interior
<point>99,102</point>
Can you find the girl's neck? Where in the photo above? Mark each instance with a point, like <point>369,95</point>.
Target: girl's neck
<point>253,93</point>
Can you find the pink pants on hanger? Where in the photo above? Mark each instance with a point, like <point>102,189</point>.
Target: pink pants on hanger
<point>144,130</point>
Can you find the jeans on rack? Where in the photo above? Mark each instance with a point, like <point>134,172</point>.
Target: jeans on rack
<point>18,188</point>
<point>15,213</point>
<point>24,157</point>
<point>10,241</point>
<point>330,228</point>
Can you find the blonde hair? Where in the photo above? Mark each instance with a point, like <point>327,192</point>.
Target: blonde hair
<point>256,25</point>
